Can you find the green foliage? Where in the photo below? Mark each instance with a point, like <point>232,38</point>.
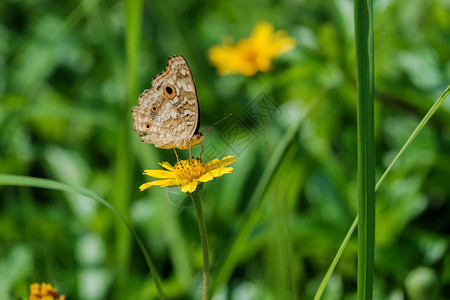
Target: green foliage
<point>71,71</point>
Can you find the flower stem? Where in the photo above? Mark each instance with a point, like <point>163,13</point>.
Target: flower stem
<point>196,197</point>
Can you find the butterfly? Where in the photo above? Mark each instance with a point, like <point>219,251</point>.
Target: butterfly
<point>168,115</point>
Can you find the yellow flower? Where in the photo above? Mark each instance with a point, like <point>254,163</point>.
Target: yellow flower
<point>253,54</point>
<point>44,291</point>
<point>188,173</point>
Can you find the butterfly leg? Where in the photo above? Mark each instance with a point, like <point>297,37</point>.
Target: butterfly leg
<point>203,149</point>
<point>190,154</point>
<point>176,155</point>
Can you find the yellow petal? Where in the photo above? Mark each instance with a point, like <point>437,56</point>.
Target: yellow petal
<point>189,187</point>
<point>34,286</point>
<point>212,162</point>
<point>282,45</point>
<point>225,159</point>
<point>228,157</point>
<point>167,166</point>
<point>159,173</point>
<point>228,160</point>
<point>219,164</point>
<point>145,186</point>
<point>162,182</point>
<point>221,171</point>
<point>205,177</point>
<point>225,58</point>
<point>174,181</point>
<point>262,32</point>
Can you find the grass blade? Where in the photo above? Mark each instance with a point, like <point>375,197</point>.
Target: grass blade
<point>411,138</point>
<point>330,270</point>
<point>14,180</point>
<point>123,159</point>
<point>416,131</point>
<point>366,146</point>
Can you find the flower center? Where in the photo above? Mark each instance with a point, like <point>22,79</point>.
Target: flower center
<point>185,169</point>
<point>250,56</point>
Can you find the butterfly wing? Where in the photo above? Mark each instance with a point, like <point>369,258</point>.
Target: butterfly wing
<point>157,121</point>
<point>177,84</point>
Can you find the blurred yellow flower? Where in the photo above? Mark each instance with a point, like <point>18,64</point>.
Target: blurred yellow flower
<point>188,173</point>
<point>252,54</point>
<point>44,291</point>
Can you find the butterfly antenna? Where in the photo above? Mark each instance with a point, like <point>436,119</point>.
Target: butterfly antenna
<point>208,129</point>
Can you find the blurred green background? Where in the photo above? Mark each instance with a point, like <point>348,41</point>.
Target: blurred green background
<point>67,84</point>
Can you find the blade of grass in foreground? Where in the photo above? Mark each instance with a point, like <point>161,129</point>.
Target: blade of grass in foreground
<point>366,146</point>
<point>254,208</point>
<point>15,180</point>
<point>411,138</point>
<point>123,159</point>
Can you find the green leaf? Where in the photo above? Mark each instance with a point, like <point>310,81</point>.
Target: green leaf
<point>58,186</point>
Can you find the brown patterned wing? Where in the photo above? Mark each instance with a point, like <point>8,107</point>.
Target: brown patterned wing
<point>177,84</point>
<point>156,121</point>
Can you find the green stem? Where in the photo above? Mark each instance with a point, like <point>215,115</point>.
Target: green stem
<point>366,146</point>
<point>197,200</point>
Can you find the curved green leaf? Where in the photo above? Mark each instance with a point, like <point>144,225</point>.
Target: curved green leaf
<point>15,180</point>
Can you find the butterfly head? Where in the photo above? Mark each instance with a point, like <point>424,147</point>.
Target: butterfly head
<point>196,139</point>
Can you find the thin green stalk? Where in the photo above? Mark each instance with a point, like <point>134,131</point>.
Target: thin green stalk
<point>416,131</point>
<point>411,138</point>
<point>14,180</point>
<point>366,146</point>
<point>330,270</point>
<point>121,200</point>
<point>254,208</point>
<point>196,197</point>
<point>123,159</point>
